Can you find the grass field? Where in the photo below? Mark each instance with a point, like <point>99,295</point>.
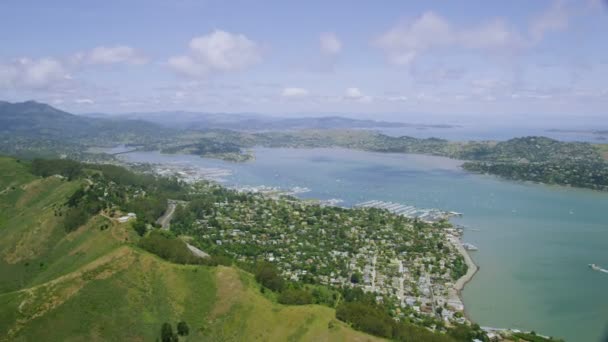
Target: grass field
<point>95,285</point>
<point>603,150</point>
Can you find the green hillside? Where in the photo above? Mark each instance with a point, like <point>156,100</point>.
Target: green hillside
<point>94,284</point>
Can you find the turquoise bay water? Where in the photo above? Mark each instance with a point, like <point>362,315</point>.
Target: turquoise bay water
<point>535,241</point>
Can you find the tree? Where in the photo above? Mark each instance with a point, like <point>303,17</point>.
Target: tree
<point>166,333</point>
<point>267,275</point>
<point>140,226</point>
<point>293,296</point>
<point>182,329</point>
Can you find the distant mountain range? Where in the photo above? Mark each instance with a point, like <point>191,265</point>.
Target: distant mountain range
<point>40,120</point>
<point>32,129</point>
<point>256,122</point>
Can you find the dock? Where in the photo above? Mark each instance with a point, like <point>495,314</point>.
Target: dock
<point>409,211</point>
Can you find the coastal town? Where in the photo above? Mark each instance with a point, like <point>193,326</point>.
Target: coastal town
<point>416,262</point>
<point>417,267</point>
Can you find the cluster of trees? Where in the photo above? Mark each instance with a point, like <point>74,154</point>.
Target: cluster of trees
<point>361,310</point>
<point>459,267</point>
<point>81,206</point>
<point>167,246</point>
<point>295,296</point>
<point>374,319</point>
<point>49,167</point>
<point>268,276</point>
<point>167,334</point>
<point>113,186</point>
<point>293,293</point>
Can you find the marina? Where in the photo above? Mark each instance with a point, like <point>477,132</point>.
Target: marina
<point>409,211</point>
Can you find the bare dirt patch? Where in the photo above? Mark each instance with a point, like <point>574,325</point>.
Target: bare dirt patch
<point>229,290</point>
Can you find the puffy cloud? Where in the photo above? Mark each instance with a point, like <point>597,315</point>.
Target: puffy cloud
<point>330,44</point>
<point>111,55</point>
<point>354,94</point>
<point>294,92</point>
<point>31,73</point>
<point>404,42</point>
<point>217,51</point>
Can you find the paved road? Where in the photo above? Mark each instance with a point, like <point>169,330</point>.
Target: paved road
<point>165,220</point>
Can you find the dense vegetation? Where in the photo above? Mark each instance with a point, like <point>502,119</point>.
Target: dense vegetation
<point>167,246</point>
<point>94,284</point>
<point>109,187</point>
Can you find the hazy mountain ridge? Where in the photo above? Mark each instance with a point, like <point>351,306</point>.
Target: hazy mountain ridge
<point>256,122</point>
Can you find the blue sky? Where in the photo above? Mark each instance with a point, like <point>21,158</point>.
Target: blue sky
<point>421,61</point>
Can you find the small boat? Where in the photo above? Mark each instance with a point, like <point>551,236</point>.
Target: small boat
<point>469,247</point>
<point>595,267</point>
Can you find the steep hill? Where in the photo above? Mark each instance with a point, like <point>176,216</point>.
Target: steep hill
<point>94,284</point>
<point>37,129</point>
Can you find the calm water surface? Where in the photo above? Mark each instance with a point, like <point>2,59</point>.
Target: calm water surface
<point>534,241</point>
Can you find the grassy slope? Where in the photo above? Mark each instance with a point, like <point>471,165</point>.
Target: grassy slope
<point>242,313</point>
<point>93,285</point>
<point>603,150</point>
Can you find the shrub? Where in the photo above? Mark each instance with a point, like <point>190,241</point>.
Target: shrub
<point>293,296</point>
<point>182,329</point>
<point>169,247</point>
<point>267,275</point>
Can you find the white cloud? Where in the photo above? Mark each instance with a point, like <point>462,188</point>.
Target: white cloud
<point>31,73</point>
<point>354,94</point>
<point>111,55</point>
<point>405,42</point>
<point>330,44</point>
<point>84,101</point>
<point>217,51</point>
<point>398,98</point>
<point>556,18</point>
<point>294,92</point>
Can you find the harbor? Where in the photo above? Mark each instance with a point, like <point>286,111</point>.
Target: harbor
<point>409,211</point>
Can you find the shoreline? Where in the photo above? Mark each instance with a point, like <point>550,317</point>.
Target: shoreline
<point>472,268</point>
